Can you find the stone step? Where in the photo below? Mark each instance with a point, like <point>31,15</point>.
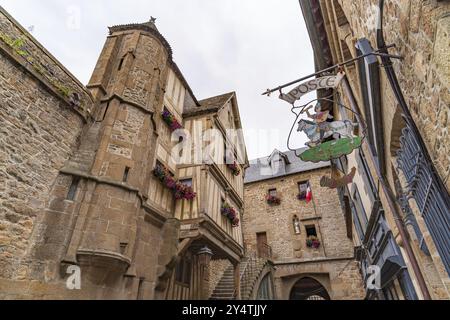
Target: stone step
<point>224,292</point>
<point>222,297</point>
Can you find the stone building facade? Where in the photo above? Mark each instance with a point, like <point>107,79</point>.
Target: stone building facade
<point>402,107</point>
<point>279,231</point>
<point>78,185</point>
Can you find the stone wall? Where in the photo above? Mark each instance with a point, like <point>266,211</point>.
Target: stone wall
<point>341,279</point>
<point>420,30</point>
<point>324,212</point>
<point>17,43</point>
<point>39,131</point>
<point>332,264</point>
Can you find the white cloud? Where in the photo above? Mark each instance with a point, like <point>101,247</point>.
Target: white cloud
<point>245,46</point>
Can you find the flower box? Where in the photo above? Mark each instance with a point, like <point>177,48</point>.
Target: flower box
<point>179,190</point>
<point>231,214</point>
<point>274,200</point>
<point>313,242</point>
<point>234,167</point>
<point>170,120</point>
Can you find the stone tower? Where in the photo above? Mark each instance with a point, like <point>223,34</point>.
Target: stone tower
<point>118,236</point>
<point>97,214</point>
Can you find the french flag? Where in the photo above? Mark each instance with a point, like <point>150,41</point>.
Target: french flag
<point>308,194</point>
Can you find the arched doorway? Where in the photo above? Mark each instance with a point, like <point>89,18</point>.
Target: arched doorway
<point>309,289</point>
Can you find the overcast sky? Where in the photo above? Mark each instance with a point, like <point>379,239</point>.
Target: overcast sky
<point>245,46</point>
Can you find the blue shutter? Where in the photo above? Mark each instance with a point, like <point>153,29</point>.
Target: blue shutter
<point>432,200</point>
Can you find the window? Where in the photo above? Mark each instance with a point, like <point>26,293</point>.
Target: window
<point>311,231</point>
<point>121,63</point>
<point>126,174</point>
<point>348,216</point>
<point>225,152</point>
<point>303,190</point>
<point>73,189</point>
<point>428,191</point>
<point>273,192</point>
<point>106,111</point>
<point>123,247</point>
<point>369,183</point>
<point>359,214</point>
<point>187,182</point>
<point>183,271</point>
<point>369,76</point>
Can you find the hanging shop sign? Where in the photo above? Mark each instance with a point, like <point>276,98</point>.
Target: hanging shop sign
<point>316,84</point>
<point>338,182</point>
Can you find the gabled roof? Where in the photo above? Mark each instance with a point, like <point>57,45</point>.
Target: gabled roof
<point>209,105</point>
<point>260,169</point>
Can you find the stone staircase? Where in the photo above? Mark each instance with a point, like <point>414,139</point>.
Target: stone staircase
<point>250,270</point>
<point>225,288</point>
<point>254,267</point>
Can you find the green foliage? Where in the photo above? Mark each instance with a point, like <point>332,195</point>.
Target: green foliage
<point>65,91</point>
<point>18,46</point>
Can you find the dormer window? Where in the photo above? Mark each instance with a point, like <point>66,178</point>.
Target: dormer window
<point>278,161</point>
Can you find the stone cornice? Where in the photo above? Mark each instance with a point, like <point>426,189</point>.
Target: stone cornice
<point>154,216</point>
<point>311,261</point>
<point>133,104</point>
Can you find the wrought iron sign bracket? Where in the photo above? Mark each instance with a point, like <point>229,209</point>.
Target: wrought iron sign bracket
<point>339,65</point>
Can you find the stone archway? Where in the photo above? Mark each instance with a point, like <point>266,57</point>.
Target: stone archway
<point>309,289</point>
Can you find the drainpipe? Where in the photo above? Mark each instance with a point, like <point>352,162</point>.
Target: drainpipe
<point>387,190</point>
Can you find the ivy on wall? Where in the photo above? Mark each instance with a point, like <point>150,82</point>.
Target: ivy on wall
<point>18,45</point>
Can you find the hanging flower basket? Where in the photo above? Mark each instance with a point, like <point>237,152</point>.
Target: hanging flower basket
<point>179,190</point>
<point>170,120</point>
<point>234,167</point>
<point>313,242</point>
<point>274,200</point>
<point>231,214</point>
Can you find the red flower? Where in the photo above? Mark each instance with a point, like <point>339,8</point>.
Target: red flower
<point>170,120</point>
<point>179,190</point>
<point>231,214</point>
<point>273,199</point>
<point>234,168</point>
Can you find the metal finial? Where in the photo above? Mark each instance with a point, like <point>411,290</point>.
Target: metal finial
<point>152,20</point>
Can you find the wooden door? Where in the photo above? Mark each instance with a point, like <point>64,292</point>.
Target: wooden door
<point>261,243</point>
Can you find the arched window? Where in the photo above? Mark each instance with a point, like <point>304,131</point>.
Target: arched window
<point>296,224</point>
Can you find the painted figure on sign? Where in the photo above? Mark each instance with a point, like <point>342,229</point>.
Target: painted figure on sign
<point>317,132</point>
<point>321,118</point>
